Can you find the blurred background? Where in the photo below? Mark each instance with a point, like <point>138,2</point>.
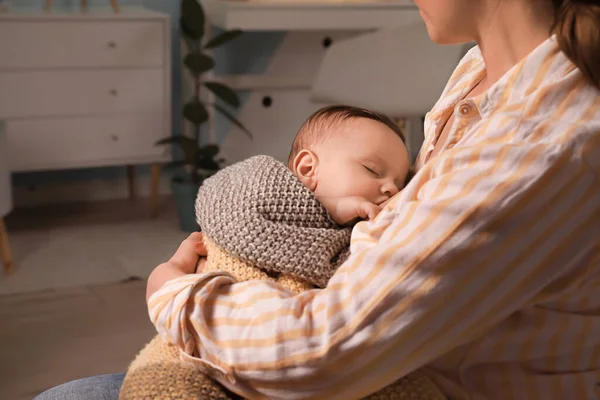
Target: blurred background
<point>113,112</point>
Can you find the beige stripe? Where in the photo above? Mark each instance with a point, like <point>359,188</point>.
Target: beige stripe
<point>502,101</point>
<point>468,84</point>
<point>507,389</point>
<point>527,349</point>
<point>160,298</point>
<point>535,106</point>
<point>368,240</point>
<point>253,299</point>
<point>568,242</point>
<point>562,108</point>
<point>503,341</point>
<point>261,296</point>
<point>461,71</point>
<point>542,73</point>
<point>173,317</point>
<point>579,342</point>
<point>243,287</point>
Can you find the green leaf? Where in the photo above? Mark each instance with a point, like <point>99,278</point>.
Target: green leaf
<point>192,18</point>
<point>207,164</point>
<point>233,120</point>
<point>224,93</point>
<point>188,146</point>
<point>198,62</point>
<point>209,150</point>
<point>176,140</point>
<point>195,112</point>
<point>186,33</point>
<point>222,38</point>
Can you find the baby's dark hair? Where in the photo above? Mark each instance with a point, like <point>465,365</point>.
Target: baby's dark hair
<point>316,128</point>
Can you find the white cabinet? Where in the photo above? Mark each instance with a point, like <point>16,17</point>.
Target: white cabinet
<point>66,93</point>
<point>104,140</point>
<point>85,90</point>
<point>44,43</point>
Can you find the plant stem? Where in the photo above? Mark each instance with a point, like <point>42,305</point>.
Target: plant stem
<point>197,81</point>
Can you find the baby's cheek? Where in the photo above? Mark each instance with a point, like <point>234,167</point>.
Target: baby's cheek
<point>367,188</point>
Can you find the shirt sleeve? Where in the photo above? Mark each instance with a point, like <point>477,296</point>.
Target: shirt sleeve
<point>478,233</point>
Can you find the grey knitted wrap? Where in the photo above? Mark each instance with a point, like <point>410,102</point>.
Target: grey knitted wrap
<point>258,211</point>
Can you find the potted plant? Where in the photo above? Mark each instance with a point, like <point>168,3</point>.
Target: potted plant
<point>195,161</point>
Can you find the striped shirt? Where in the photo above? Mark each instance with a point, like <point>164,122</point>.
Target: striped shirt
<point>484,271</point>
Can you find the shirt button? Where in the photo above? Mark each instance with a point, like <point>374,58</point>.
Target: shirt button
<point>465,109</point>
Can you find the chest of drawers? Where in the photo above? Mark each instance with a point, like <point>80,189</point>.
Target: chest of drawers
<point>84,90</point>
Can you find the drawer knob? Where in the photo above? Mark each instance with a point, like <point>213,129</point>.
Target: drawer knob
<point>112,44</point>
<point>113,92</point>
<point>114,138</point>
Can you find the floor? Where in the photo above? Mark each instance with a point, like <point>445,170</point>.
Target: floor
<point>56,335</point>
<point>88,243</point>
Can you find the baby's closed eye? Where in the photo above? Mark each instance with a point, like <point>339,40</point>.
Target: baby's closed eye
<point>373,170</point>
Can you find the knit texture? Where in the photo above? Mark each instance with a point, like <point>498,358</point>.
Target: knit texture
<point>258,211</point>
<point>260,223</point>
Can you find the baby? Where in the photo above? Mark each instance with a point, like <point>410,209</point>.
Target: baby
<point>352,159</point>
<point>289,224</point>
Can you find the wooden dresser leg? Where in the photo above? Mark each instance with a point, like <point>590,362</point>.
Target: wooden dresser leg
<point>5,252</point>
<point>48,5</point>
<point>154,189</point>
<point>131,182</point>
<point>115,6</point>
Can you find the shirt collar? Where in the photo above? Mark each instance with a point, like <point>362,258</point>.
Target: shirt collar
<point>545,63</point>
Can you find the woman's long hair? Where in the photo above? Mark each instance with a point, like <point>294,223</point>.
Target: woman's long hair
<point>577,28</point>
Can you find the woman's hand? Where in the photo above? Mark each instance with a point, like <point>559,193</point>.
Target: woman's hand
<point>185,261</point>
<point>201,264</point>
<point>187,255</point>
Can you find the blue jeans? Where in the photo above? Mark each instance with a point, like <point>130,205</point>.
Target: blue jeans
<point>101,387</point>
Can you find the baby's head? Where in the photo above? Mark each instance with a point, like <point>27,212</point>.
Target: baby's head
<point>345,151</point>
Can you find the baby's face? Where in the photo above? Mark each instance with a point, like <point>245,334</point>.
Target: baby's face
<point>364,158</point>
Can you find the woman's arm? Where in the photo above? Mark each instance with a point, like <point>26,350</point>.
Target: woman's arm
<point>475,236</point>
<point>183,262</point>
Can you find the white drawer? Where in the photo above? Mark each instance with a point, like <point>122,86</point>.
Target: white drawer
<point>87,92</point>
<point>50,44</point>
<point>84,142</point>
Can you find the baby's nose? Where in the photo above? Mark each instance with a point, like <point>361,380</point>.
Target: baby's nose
<point>389,189</point>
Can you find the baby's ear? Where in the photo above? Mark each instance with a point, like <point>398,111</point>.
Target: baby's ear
<point>305,168</point>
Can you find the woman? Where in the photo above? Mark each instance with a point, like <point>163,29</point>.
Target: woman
<point>484,271</point>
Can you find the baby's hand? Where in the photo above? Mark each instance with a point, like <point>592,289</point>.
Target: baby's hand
<point>367,210</point>
<point>348,210</point>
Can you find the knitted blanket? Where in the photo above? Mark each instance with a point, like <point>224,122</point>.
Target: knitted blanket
<point>260,222</point>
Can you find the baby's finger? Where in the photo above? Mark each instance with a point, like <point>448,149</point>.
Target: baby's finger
<point>371,210</point>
